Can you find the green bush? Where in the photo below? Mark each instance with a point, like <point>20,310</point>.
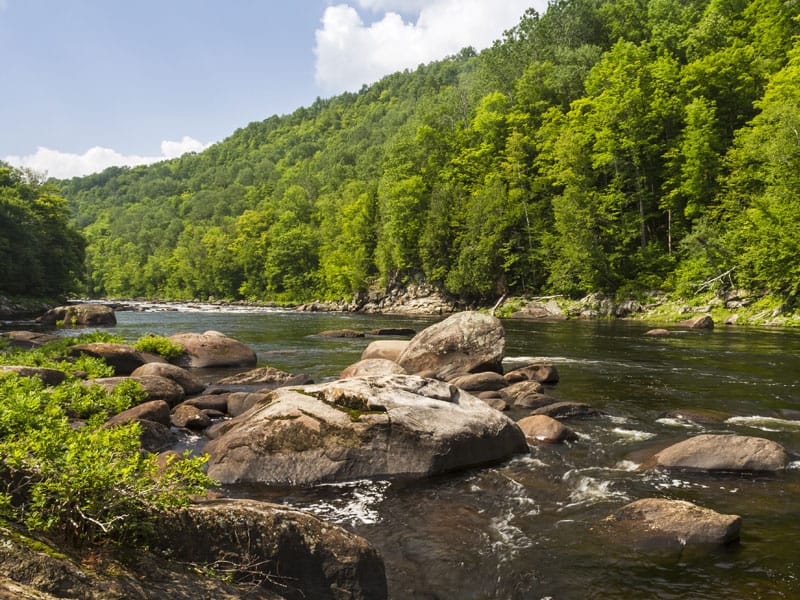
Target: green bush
<point>54,355</point>
<point>87,482</point>
<point>159,345</point>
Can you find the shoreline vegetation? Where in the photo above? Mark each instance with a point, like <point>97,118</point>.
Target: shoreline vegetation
<point>736,308</point>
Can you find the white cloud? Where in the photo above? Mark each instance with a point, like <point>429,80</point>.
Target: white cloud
<point>64,165</point>
<point>350,53</point>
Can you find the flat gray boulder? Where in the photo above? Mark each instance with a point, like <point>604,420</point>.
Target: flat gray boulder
<point>662,522</point>
<point>212,349</point>
<point>396,425</point>
<point>712,452</point>
<point>466,342</point>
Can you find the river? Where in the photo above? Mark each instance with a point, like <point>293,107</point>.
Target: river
<point>526,528</point>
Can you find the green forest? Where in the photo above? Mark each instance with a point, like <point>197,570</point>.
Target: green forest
<point>605,145</point>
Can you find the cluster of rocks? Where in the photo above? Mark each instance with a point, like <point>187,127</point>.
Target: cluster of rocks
<point>409,408</point>
<point>413,299</point>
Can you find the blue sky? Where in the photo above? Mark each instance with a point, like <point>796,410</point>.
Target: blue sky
<point>90,83</point>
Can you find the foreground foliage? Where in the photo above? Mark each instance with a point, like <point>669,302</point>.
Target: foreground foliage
<point>79,479</point>
<point>602,146</point>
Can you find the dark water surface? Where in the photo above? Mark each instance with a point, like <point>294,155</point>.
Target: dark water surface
<point>527,528</point>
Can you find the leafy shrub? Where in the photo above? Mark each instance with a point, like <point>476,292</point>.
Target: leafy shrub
<point>159,345</point>
<point>54,355</point>
<point>83,483</point>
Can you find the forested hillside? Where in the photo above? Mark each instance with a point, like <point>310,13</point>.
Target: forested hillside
<point>606,145</point>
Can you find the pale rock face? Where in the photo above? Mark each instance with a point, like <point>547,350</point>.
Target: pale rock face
<point>724,453</point>
<point>467,342</point>
<point>660,521</point>
<point>213,349</point>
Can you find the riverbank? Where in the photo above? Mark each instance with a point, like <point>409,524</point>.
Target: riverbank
<point>733,308</point>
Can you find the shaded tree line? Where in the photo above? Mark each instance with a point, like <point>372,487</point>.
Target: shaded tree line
<point>41,253</point>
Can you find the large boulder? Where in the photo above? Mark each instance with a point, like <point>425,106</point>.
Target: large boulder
<point>74,315</point>
<point>287,551</point>
<point>191,385</point>
<point>212,349</point>
<point>467,342</point>
<point>361,427</point>
<point>660,522</point>
<point>713,452</point>
<point>124,358</point>
<point>387,349</point>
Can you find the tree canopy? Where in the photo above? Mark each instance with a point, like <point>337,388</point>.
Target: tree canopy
<point>601,146</point>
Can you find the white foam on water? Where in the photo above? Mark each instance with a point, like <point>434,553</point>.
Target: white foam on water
<point>509,539</point>
<point>359,507</point>
<point>671,422</point>
<point>627,465</point>
<point>765,423</point>
<point>633,435</point>
<point>590,490</point>
<point>618,420</point>
<point>794,465</point>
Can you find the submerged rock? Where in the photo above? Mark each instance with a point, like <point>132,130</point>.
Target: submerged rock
<point>467,342</point>
<point>396,425</point>
<point>567,410</point>
<point>657,521</point>
<point>713,452</point>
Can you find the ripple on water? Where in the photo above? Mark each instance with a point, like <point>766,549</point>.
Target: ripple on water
<point>588,490</point>
<point>765,423</point>
<point>356,504</point>
<point>633,435</point>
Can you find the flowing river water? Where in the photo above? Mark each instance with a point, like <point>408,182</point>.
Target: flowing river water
<point>528,528</point>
